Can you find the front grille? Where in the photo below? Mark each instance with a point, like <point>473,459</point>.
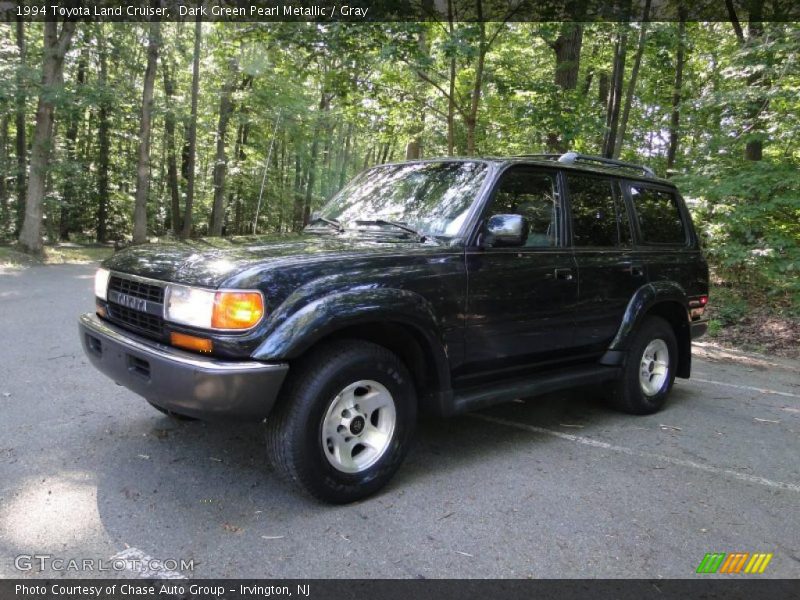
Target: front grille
<point>137,289</point>
<point>133,319</point>
<point>124,297</point>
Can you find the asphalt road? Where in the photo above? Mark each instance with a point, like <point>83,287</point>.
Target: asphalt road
<point>549,487</point>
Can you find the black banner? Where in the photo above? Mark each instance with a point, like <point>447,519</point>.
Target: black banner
<point>366,11</point>
<point>734,588</point>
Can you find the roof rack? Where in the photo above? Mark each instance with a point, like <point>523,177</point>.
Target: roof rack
<point>573,157</point>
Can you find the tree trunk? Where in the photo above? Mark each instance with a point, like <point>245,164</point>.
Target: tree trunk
<point>615,97</point>
<point>602,89</point>
<point>754,147</point>
<point>172,161</point>
<point>233,194</point>
<point>477,86</point>
<point>56,45</point>
<point>192,136</point>
<point>567,48</point>
<point>326,162</point>
<point>346,156</point>
<point>240,157</point>
<point>4,211</point>
<point>675,117</point>
<point>22,144</point>
<point>103,134</point>
<point>312,166</point>
<point>451,99</point>
<point>221,159</point>
<point>143,162</point>
<point>66,217</point>
<point>637,62</point>
<point>297,212</point>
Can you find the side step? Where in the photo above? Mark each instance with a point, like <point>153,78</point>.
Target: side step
<point>485,395</point>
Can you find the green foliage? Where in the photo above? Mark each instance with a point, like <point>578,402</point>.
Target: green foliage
<point>332,98</point>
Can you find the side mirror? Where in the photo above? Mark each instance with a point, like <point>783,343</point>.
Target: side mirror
<point>506,230</point>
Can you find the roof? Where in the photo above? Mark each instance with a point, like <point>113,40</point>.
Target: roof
<point>569,160</point>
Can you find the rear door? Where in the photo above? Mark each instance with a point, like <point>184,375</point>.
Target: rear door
<point>665,236</point>
<point>521,299</point>
<point>610,269</point>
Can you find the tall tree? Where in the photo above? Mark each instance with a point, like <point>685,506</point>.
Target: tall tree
<point>637,63</point>
<point>56,44</point>
<point>191,138</point>
<point>103,133</point>
<point>172,160</point>
<point>677,91</point>
<point>567,48</point>
<point>615,92</point>
<point>471,118</point>
<point>20,122</point>
<point>143,162</point>
<point>75,117</point>
<point>4,209</point>
<point>221,159</point>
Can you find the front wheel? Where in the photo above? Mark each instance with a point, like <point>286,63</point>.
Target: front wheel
<point>649,371</point>
<point>344,423</point>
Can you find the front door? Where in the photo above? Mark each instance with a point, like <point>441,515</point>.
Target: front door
<point>521,299</point>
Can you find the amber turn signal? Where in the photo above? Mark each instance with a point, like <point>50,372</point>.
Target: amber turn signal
<point>237,310</point>
<point>190,342</point>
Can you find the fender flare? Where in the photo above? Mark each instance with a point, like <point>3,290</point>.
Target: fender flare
<point>297,331</point>
<point>639,305</point>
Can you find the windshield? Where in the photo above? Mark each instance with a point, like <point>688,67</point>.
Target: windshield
<point>431,197</point>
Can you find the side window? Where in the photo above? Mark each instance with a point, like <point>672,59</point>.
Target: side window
<point>599,219</point>
<point>658,216</point>
<point>532,194</point>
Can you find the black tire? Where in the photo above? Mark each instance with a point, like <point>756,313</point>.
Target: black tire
<point>172,415</point>
<point>294,429</point>
<point>628,393</point>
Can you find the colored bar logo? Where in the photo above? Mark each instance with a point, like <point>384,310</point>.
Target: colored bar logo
<point>735,562</point>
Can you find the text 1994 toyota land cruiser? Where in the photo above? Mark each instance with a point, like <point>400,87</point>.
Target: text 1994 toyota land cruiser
<point>441,286</point>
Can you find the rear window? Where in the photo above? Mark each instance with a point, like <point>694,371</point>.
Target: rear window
<point>658,215</point>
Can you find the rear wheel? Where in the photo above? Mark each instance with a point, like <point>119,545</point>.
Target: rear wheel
<point>344,422</point>
<point>649,372</point>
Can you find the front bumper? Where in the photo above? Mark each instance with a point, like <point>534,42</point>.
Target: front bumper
<point>179,381</point>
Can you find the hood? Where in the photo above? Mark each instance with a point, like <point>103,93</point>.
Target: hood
<point>210,261</point>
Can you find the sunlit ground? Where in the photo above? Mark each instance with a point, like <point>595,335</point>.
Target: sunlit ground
<point>11,259</point>
<point>51,512</point>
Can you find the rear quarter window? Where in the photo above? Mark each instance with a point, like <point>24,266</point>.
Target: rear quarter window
<point>658,216</point>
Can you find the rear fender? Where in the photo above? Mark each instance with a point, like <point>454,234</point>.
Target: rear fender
<point>645,301</point>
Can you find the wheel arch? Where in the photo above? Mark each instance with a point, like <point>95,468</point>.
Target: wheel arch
<point>666,300</point>
<point>398,320</point>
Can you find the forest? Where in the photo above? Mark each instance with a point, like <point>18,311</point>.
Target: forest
<point>135,132</point>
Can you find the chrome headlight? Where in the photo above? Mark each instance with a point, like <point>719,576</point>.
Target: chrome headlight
<point>101,283</point>
<point>189,306</point>
<point>209,309</point>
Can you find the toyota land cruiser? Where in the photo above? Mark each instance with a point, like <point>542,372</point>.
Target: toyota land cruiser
<point>440,285</point>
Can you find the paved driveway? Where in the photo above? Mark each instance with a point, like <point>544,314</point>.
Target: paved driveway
<point>551,487</point>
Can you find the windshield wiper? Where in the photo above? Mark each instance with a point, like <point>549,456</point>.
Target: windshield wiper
<point>403,226</point>
<point>329,222</point>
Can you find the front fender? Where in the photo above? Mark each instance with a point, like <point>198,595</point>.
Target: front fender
<point>301,329</point>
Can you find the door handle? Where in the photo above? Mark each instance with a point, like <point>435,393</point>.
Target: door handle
<point>634,269</point>
<point>565,274</point>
